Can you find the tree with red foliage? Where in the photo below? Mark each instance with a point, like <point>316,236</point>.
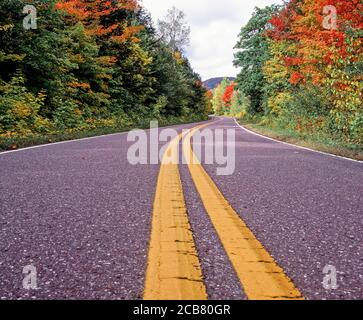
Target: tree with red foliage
<point>301,23</point>
<point>228,95</point>
<point>316,46</point>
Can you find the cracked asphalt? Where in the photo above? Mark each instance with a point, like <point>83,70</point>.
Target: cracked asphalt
<point>81,214</point>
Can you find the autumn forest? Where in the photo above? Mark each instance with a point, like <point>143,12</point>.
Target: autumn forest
<point>301,71</point>
<point>89,67</point>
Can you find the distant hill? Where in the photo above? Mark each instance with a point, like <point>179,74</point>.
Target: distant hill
<point>214,82</point>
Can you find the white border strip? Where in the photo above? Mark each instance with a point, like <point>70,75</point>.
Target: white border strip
<point>296,146</point>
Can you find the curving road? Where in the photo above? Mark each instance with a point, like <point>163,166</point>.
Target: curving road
<point>82,215</point>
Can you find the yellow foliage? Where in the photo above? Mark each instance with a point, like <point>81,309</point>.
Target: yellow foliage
<point>241,115</point>
<point>275,103</point>
<point>77,58</point>
<point>21,110</point>
<point>80,85</point>
<point>178,57</point>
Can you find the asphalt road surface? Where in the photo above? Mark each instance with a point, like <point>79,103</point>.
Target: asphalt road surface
<point>82,215</point>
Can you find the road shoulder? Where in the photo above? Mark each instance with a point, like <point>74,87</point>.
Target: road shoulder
<point>307,144</point>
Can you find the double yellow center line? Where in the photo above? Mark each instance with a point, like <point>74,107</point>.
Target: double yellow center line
<point>174,271</point>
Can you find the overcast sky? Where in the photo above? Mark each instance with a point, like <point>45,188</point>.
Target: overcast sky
<point>215,25</point>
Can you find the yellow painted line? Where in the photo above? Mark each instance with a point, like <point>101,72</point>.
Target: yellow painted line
<point>173,271</point>
<point>259,274</point>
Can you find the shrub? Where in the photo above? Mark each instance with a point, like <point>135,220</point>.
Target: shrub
<point>19,108</point>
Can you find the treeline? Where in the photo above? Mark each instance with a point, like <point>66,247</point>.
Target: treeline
<point>302,67</point>
<point>228,100</point>
<point>89,64</point>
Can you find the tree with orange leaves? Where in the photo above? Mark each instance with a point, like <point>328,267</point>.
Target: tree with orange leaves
<point>302,24</point>
<point>228,95</point>
<point>99,17</point>
<point>312,66</point>
<point>323,47</point>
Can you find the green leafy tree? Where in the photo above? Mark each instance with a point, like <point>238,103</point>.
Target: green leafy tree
<point>252,55</point>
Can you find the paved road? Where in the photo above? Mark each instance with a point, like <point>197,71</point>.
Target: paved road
<point>82,215</point>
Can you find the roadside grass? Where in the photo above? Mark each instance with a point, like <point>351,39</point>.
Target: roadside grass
<point>18,142</point>
<point>319,142</point>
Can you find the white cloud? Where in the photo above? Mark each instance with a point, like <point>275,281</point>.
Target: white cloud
<point>215,26</point>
